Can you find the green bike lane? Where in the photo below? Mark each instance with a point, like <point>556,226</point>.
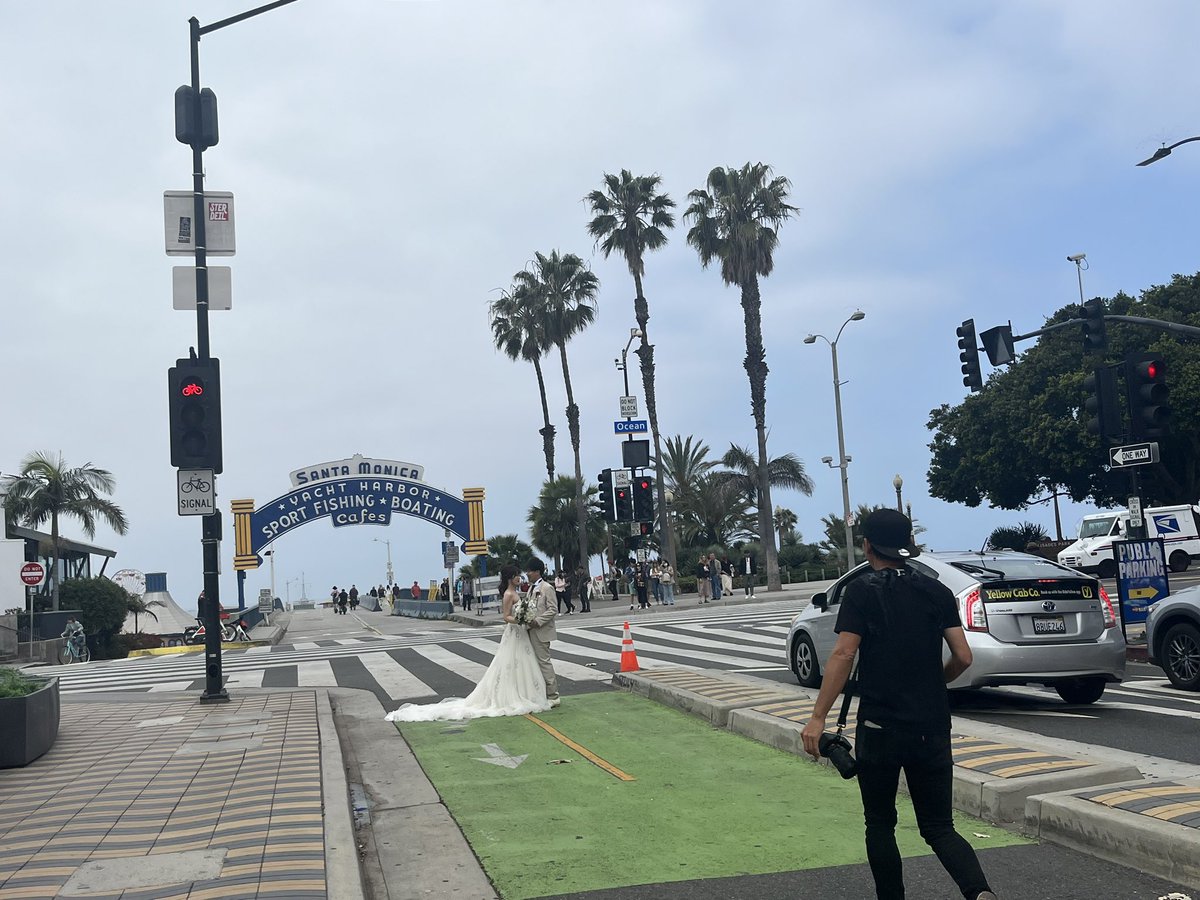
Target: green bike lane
<point>646,801</point>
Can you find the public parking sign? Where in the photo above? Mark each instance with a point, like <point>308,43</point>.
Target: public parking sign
<point>32,573</point>
<point>1141,577</point>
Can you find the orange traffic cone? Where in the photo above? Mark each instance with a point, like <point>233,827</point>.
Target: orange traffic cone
<point>629,661</point>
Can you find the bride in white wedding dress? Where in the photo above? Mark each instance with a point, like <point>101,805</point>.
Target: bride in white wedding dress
<point>512,684</point>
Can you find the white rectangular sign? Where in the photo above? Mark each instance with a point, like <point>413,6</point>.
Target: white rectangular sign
<point>197,492</point>
<point>629,406</point>
<point>179,210</point>
<point>622,477</point>
<point>220,287</point>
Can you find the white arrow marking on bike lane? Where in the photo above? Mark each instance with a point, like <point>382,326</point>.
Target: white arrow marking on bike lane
<point>498,757</point>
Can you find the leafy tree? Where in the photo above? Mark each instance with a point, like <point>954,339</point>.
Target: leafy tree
<point>743,477</point>
<point>563,290</point>
<point>139,606</point>
<point>47,489</point>
<point>1017,537</point>
<point>735,221</point>
<point>552,522</point>
<point>503,550</point>
<point>713,513</point>
<point>519,332</point>
<point>1024,435</point>
<point>102,604</point>
<point>631,217</point>
<point>785,523</point>
<point>683,464</point>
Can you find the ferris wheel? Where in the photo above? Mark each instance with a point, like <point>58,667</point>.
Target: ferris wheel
<point>133,581</point>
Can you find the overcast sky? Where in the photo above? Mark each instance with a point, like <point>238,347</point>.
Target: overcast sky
<point>394,163</point>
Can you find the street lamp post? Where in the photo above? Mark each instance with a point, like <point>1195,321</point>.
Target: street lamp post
<point>1164,152</point>
<point>389,557</point>
<point>898,483</point>
<point>271,553</point>
<point>843,460</point>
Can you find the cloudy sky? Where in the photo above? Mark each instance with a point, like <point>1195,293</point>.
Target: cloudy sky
<point>394,163</point>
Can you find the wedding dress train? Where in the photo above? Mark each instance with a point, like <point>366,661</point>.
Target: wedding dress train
<point>511,686</point>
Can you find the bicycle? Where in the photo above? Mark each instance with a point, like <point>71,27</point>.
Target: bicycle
<point>75,651</point>
<point>195,483</point>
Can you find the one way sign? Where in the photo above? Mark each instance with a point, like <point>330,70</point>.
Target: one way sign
<point>1134,454</point>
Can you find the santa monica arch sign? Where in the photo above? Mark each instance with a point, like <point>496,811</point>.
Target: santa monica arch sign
<point>356,491</point>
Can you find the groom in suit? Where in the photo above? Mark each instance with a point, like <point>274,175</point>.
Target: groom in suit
<point>541,629</point>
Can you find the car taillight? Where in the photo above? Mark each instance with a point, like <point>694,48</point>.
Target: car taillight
<point>1110,615</point>
<point>974,615</point>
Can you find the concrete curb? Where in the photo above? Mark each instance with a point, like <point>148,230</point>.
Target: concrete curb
<point>343,881</point>
<point>717,712</point>
<point>1140,842</point>
<point>197,648</point>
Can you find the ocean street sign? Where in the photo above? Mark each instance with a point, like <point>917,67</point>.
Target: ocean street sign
<point>635,426</point>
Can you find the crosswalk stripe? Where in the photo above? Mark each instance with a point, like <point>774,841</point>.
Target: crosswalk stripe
<point>562,667</point>
<point>698,641</point>
<point>395,680</point>
<point>165,686</point>
<point>250,678</point>
<point>472,671</point>
<point>737,634</point>
<point>314,674</point>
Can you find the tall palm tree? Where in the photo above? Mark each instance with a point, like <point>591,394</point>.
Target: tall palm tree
<point>684,463</point>
<point>735,221</point>
<point>741,473</point>
<point>563,291</point>
<point>139,606</point>
<point>552,522</point>
<point>47,489</point>
<point>631,217</point>
<point>517,332</point>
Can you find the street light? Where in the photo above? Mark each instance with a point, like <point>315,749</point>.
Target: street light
<point>898,483</point>
<point>843,460</point>
<point>1163,152</point>
<point>390,581</point>
<point>271,553</point>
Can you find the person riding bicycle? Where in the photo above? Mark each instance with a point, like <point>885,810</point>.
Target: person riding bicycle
<point>75,635</point>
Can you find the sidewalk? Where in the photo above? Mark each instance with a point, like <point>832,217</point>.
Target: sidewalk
<point>161,797</point>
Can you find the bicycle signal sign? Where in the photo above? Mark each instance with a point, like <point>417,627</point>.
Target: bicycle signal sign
<point>197,492</point>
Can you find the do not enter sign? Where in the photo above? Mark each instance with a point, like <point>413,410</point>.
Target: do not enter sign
<point>33,573</point>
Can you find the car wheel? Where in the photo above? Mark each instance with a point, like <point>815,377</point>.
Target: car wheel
<point>804,662</point>
<point>1107,568</point>
<point>1080,690</point>
<point>1180,656</point>
<point>1179,561</point>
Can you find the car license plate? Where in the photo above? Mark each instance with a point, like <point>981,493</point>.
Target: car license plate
<point>1049,625</point>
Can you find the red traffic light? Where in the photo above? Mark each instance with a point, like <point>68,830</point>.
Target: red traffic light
<point>192,389</point>
<point>1152,370</point>
<point>620,493</point>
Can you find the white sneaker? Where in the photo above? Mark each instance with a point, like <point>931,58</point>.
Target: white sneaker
<point>555,703</point>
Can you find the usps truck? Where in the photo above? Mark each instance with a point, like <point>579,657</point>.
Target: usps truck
<point>1093,550</point>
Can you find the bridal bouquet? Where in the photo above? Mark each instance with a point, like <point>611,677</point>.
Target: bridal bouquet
<point>525,608</point>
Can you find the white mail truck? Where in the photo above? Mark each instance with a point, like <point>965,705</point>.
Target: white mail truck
<point>1093,550</point>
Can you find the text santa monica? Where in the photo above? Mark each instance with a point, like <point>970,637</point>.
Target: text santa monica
<point>357,465</point>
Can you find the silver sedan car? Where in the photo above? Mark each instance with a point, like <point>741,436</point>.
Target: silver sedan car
<point>1173,637</point>
<point>1027,621</point>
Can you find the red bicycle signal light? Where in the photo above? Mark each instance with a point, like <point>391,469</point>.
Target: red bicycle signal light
<point>193,388</point>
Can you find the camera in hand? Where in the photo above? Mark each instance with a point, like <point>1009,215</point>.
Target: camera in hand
<point>839,752</point>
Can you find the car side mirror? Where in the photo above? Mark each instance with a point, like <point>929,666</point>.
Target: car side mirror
<point>820,601</point>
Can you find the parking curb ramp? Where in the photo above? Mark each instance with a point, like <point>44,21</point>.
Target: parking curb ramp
<point>1129,834</point>
<point>1093,808</point>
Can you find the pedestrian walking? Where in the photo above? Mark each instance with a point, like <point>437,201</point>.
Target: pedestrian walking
<point>333,599</point>
<point>748,568</point>
<point>395,593</point>
<point>655,583</point>
<point>896,620</point>
<point>613,582</point>
<point>353,597</point>
<point>343,600</point>
<point>560,591</point>
<point>583,587</point>
<point>415,590</point>
<point>468,592</point>
<point>641,586</point>
<point>714,574</point>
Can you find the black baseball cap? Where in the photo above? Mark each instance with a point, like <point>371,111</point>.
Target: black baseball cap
<point>890,534</point>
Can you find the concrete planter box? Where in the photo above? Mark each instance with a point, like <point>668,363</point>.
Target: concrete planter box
<point>28,725</point>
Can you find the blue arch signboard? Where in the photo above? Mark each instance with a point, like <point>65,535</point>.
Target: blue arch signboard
<point>356,491</point>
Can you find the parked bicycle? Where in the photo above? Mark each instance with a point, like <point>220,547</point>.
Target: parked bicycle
<point>230,633</point>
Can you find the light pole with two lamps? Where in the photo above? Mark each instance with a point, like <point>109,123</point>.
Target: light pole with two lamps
<point>843,460</point>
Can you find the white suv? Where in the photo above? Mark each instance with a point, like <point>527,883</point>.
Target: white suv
<point>1027,621</point>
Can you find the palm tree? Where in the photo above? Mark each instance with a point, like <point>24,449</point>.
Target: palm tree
<point>563,291</point>
<point>517,332</point>
<point>713,514</point>
<point>684,463</point>
<point>631,217</point>
<point>47,489</point>
<point>1017,537</point>
<point>139,606</point>
<point>741,473</point>
<point>552,522</point>
<point>785,522</point>
<point>735,221</point>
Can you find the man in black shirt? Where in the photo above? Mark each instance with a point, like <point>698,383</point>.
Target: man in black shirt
<point>896,619</point>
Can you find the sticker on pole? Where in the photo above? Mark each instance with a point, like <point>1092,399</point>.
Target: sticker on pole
<point>32,573</point>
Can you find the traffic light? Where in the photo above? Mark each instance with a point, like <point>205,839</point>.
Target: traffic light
<point>1102,404</point>
<point>643,499</point>
<point>622,504</point>
<point>606,495</point>
<point>1146,383</point>
<point>645,529</point>
<point>969,355</point>
<point>1094,337</point>
<point>189,130</point>
<point>194,402</point>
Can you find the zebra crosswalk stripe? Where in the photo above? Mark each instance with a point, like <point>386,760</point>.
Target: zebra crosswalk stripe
<point>395,680</point>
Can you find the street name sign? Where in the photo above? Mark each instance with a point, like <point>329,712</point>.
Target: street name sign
<point>1142,578</point>
<point>1134,454</point>
<point>32,573</point>
<point>634,426</point>
<point>196,492</point>
<point>629,406</point>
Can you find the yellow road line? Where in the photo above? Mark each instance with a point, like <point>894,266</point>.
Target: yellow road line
<point>582,751</point>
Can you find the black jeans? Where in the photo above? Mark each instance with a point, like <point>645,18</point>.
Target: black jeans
<point>929,769</point>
